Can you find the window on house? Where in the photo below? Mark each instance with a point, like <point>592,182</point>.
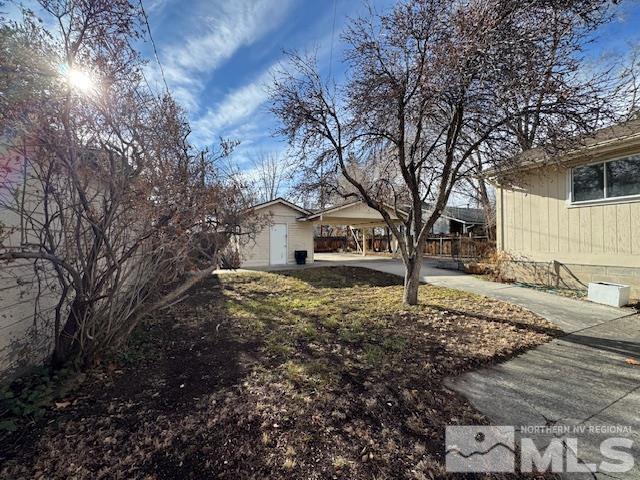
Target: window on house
<point>613,179</point>
<point>588,183</point>
<point>623,177</point>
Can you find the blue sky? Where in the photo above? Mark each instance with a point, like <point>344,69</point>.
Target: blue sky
<point>218,56</point>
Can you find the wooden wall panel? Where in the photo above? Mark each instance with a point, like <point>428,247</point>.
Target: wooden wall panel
<point>585,229</point>
<point>610,229</point>
<point>597,230</point>
<point>539,224</point>
<point>527,213</point>
<point>543,208</point>
<point>554,226</point>
<point>574,230</point>
<point>518,233</point>
<point>512,213</point>
<point>635,228</point>
<point>563,215</point>
<point>624,228</point>
<point>535,205</point>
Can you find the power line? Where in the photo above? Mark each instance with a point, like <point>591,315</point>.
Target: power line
<point>155,50</point>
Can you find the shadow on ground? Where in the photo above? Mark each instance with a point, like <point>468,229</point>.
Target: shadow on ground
<point>342,277</point>
<point>317,373</point>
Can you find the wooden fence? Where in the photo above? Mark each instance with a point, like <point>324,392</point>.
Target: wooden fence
<point>333,244</point>
<point>475,247</point>
<point>459,247</point>
<point>347,244</point>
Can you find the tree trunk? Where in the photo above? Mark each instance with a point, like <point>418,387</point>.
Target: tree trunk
<point>487,208</point>
<point>66,345</point>
<point>412,279</point>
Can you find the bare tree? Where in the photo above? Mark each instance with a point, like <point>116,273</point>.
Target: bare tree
<point>475,187</point>
<point>270,173</point>
<point>555,118</point>
<point>630,79</point>
<point>113,202</point>
<point>427,85</point>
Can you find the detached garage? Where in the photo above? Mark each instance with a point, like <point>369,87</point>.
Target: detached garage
<point>291,228</point>
<point>286,231</point>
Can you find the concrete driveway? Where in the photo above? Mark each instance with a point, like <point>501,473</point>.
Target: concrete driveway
<point>580,385</point>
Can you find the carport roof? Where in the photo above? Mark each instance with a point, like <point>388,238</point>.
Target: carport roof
<point>352,213</point>
<point>357,212</point>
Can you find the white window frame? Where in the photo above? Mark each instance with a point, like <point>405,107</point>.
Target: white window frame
<point>598,201</point>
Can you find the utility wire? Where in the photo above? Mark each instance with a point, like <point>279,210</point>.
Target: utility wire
<point>155,50</point>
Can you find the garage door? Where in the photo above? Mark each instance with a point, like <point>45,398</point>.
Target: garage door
<point>278,244</point>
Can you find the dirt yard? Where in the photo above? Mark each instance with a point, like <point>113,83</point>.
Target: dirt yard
<point>318,373</point>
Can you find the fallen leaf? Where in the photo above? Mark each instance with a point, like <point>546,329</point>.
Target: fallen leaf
<point>61,405</point>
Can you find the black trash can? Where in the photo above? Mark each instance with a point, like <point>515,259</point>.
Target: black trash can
<point>301,256</point>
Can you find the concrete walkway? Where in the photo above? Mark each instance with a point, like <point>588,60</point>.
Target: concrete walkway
<point>569,314</point>
<point>579,380</point>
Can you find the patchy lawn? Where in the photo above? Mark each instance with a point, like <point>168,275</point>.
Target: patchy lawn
<point>318,373</point>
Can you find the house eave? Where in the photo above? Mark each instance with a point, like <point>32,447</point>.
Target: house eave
<point>586,153</point>
<point>282,201</point>
<point>319,215</point>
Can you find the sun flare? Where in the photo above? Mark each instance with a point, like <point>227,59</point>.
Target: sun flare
<point>80,80</point>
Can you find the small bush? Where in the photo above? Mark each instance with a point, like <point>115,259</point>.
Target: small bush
<point>230,258</point>
<point>498,261</point>
<point>27,397</point>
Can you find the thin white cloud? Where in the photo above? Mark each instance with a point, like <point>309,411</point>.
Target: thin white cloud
<point>190,60</point>
<point>238,114</point>
<point>219,29</point>
<point>232,113</point>
<point>241,114</point>
<point>153,6</point>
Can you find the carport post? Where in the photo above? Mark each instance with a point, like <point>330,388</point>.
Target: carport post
<point>364,242</point>
<point>355,238</point>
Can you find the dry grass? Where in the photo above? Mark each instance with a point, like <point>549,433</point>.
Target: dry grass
<point>319,373</point>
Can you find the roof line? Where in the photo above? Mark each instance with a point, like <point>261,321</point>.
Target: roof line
<point>332,209</point>
<point>345,205</point>
<point>597,147</point>
<point>458,219</point>
<point>280,200</point>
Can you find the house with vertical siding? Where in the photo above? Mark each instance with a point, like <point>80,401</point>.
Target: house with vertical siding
<point>575,219</point>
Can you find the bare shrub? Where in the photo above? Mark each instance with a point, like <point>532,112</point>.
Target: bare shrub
<point>111,199</point>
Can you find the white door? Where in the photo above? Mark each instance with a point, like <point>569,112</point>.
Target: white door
<point>278,244</point>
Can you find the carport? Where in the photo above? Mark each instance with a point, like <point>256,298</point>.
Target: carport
<point>356,216</point>
<point>290,228</point>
